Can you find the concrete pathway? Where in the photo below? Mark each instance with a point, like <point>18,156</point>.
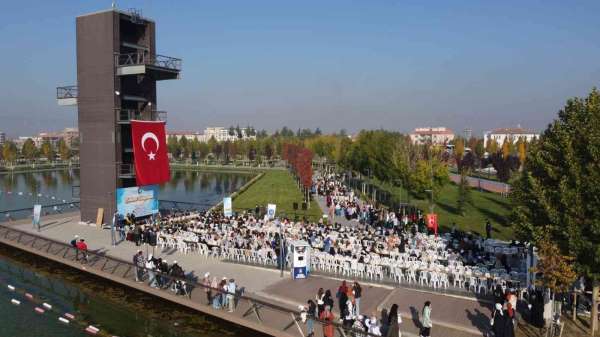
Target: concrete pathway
<point>452,315</point>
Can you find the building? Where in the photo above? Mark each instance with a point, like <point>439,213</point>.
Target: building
<point>189,135</point>
<point>220,134</point>
<point>512,134</point>
<point>2,138</point>
<point>117,71</point>
<point>69,135</point>
<point>438,135</point>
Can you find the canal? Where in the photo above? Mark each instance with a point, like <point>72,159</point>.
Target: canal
<point>116,310</point>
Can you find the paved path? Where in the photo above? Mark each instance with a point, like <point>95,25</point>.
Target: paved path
<point>453,316</point>
<point>484,184</point>
<point>339,219</point>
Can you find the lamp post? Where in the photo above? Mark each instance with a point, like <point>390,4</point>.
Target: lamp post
<point>430,201</point>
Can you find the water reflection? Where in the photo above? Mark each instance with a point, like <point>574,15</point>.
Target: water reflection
<point>202,188</point>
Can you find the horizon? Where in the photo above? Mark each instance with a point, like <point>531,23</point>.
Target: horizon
<point>334,66</point>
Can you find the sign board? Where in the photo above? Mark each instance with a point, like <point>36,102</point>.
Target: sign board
<point>99,216</point>
<point>271,211</point>
<point>37,213</point>
<point>141,201</point>
<point>227,206</point>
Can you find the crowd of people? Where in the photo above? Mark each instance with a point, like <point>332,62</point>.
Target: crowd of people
<point>388,324</point>
<point>374,242</point>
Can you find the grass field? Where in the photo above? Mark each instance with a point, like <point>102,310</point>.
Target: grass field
<point>275,187</point>
<point>484,205</point>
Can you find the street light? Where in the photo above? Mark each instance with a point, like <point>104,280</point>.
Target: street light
<point>430,201</point>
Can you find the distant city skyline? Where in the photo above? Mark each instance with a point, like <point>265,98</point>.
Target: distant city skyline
<point>333,65</point>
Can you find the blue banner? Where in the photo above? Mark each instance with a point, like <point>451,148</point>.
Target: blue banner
<point>141,201</point>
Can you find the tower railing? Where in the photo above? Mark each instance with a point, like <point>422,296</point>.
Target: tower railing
<point>145,58</point>
<point>70,91</point>
<point>126,115</point>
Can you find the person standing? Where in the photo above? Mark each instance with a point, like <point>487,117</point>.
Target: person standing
<point>74,245</point>
<point>216,300</point>
<point>139,266</point>
<point>327,317</point>
<point>498,321</point>
<point>488,228</point>
<point>207,288</point>
<point>151,275</point>
<point>394,320</point>
<point>311,315</point>
<point>426,323</point>
<point>320,298</point>
<point>357,292</point>
<point>231,289</point>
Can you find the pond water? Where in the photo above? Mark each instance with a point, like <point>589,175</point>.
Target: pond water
<point>196,189</point>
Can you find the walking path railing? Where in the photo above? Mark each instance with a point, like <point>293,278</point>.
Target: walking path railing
<point>250,312</point>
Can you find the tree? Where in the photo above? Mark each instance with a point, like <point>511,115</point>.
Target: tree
<point>29,150</point>
<point>47,150</point>
<point>459,152</point>
<point>184,147</point>
<point>522,151</point>
<point>557,192</point>
<point>203,150</point>
<point>506,148</point>
<point>173,146</point>
<point>428,175</point>
<point>557,273</point>
<point>63,150</point>
<point>491,146</point>
<point>9,151</point>
<point>464,192</point>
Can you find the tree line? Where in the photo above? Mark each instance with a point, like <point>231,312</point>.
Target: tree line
<point>29,151</point>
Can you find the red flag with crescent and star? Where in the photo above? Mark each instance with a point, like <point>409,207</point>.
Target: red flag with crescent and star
<point>150,152</point>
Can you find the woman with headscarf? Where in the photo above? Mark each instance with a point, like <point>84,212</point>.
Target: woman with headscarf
<point>426,323</point>
<point>327,299</point>
<point>327,317</point>
<point>498,321</point>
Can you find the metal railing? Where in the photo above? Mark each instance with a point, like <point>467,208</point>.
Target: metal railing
<point>70,91</point>
<point>144,58</point>
<point>126,115</point>
<point>23,213</point>
<point>248,311</point>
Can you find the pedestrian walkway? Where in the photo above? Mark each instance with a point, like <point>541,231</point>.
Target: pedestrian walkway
<point>455,316</point>
<point>339,219</point>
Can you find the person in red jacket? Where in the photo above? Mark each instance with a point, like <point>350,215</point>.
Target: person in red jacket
<point>82,247</point>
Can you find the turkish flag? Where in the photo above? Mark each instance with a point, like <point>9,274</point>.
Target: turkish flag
<point>150,152</point>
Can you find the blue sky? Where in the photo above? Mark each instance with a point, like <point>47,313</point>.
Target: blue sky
<point>328,64</point>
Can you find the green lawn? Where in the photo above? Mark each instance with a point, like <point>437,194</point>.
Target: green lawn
<point>275,187</point>
<point>484,205</point>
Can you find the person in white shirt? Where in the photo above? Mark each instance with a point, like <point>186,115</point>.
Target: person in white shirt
<point>150,268</point>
